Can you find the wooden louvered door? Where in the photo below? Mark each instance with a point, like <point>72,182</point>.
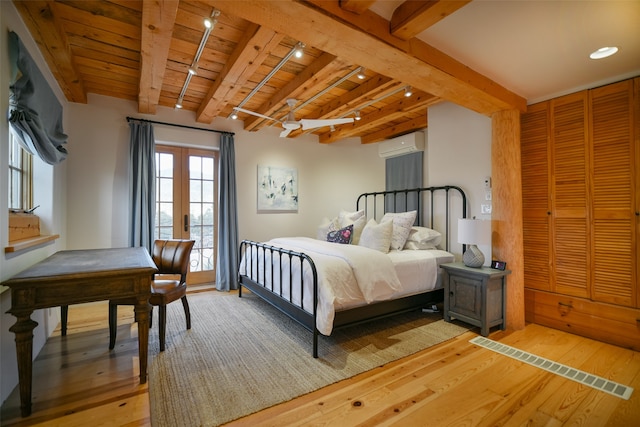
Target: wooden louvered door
<point>536,200</point>
<point>569,192</point>
<point>613,251</point>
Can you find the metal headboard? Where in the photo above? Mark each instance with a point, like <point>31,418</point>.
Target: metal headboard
<point>377,203</point>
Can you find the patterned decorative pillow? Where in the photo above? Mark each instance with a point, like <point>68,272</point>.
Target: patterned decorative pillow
<point>358,226</point>
<point>377,236</point>
<point>402,223</point>
<point>343,235</point>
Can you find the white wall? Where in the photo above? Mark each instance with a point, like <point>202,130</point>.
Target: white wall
<point>459,153</point>
<point>330,176</point>
<point>49,193</point>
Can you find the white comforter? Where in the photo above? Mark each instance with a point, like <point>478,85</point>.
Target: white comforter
<point>345,273</point>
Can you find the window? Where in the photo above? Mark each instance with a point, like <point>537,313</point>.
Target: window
<point>20,175</point>
<point>186,208</point>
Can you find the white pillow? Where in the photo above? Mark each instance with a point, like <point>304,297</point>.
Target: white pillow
<point>415,246</point>
<point>377,236</point>
<point>326,226</point>
<point>423,238</point>
<point>345,217</point>
<point>402,223</point>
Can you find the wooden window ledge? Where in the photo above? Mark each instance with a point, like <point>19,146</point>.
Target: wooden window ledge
<point>21,245</point>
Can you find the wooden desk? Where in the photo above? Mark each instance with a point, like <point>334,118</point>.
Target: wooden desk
<point>73,277</point>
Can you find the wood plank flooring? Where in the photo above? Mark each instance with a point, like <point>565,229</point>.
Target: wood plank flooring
<point>79,382</point>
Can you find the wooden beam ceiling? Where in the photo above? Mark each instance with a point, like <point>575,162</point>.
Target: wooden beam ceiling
<point>141,50</point>
<point>365,39</point>
<point>158,20</point>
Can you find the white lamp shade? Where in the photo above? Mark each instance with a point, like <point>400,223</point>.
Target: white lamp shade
<point>474,231</point>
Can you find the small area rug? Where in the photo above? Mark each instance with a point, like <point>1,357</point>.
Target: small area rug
<point>242,355</point>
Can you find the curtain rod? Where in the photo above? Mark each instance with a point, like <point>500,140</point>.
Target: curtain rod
<point>180,126</point>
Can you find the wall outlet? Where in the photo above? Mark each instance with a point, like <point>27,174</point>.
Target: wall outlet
<point>485,208</point>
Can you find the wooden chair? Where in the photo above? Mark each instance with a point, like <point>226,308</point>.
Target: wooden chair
<point>171,257</point>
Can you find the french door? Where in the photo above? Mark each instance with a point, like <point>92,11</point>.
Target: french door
<point>186,208</point>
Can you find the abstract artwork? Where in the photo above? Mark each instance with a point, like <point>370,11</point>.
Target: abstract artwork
<point>277,189</point>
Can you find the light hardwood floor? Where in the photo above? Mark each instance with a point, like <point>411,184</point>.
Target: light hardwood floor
<point>79,382</point>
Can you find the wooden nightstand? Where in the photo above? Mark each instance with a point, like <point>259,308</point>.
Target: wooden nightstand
<point>475,295</point>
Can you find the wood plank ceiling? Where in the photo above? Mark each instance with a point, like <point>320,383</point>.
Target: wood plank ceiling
<point>142,51</point>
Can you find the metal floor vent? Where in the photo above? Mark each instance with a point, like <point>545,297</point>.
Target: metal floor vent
<point>577,375</point>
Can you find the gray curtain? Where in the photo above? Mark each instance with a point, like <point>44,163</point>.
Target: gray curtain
<point>142,189</point>
<point>35,114</point>
<point>403,172</point>
<point>227,265</point>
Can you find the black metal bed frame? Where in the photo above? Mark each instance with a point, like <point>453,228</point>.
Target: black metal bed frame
<point>253,278</point>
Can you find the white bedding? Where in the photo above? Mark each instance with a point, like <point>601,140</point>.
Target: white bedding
<point>348,275</point>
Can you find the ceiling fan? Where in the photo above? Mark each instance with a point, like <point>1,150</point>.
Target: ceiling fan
<point>291,123</point>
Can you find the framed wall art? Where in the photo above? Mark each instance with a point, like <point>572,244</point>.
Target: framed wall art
<point>277,189</point>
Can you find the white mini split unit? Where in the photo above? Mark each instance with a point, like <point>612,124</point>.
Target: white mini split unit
<point>405,144</point>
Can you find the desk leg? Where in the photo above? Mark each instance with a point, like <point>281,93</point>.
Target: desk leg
<point>23,328</point>
<point>142,315</point>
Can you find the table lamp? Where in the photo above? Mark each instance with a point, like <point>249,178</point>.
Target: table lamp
<point>473,232</point>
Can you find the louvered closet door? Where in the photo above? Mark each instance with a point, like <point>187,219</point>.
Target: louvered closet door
<point>613,198</point>
<point>570,194</point>
<point>534,141</point>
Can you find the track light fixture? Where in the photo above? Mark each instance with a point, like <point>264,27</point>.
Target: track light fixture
<point>234,115</point>
<point>299,50</point>
<point>358,115</point>
<point>407,91</point>
<point>209,24</point>
<point>361,75</point>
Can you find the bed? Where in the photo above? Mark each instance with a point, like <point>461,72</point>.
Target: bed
<point>324,285</point>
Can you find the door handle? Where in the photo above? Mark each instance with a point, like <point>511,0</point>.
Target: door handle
<point>186,223</point>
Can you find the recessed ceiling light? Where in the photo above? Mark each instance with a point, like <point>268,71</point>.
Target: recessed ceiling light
<point>603,52</point>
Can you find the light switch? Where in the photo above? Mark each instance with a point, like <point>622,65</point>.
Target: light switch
<point>487,182</point>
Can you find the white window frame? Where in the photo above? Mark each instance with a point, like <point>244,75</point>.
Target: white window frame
<point>20,175</point>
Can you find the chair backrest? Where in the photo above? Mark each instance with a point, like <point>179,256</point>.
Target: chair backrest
<point>172,256</point>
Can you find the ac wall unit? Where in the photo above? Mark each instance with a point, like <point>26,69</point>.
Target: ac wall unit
<point>405,144</point>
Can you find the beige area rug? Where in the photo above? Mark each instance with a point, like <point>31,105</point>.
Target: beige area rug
<point>242,355</point>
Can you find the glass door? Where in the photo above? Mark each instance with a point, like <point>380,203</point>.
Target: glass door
<point>186,195</point>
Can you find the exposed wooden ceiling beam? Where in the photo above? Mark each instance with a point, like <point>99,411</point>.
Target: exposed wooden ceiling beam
<point>158,19</point>
<point>356,6</point>
<point>414,16</point>
<point>399,129</point>
<point>251,51</point>
<point>40,17</point>
<point>390,112</point>
<point>365,40</point>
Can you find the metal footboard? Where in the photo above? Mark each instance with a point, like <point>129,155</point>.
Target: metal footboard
<point>257,273</point>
